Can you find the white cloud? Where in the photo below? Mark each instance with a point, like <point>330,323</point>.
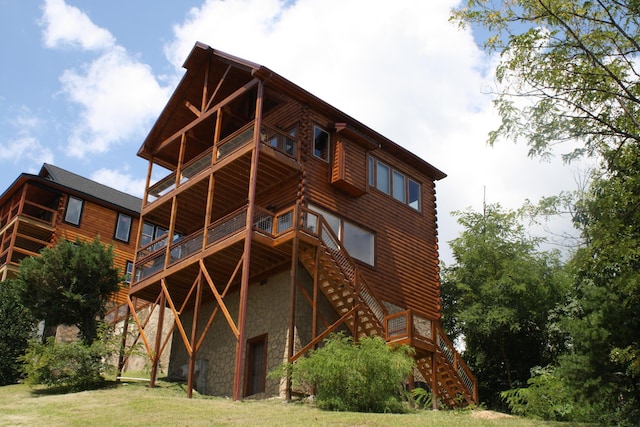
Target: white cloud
<point>26,150</point>
<point>118,96</point>
<point>122,181</point>
<point>66,25</point>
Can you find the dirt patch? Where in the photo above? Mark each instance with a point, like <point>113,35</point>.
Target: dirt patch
<point>489,415</point>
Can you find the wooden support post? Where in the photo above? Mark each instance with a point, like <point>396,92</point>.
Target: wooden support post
<point>292,295</point>
<point>316,285</point>
<point>244,282</point>
<point>434,381</point>
<point>123,342</point>
<point>194,336</point>
<point>156,349</point>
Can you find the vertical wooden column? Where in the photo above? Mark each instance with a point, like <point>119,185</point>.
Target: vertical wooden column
<point>292,294</point>
<point>434,381</point>
<point>244,284</point>
<point>194,336</point>
<point>156,350</point>
<point>123,341</point>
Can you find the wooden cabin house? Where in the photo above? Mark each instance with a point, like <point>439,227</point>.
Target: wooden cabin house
<point>37,211</point>
<point>284,220</point>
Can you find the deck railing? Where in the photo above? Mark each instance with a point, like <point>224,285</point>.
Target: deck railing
<point>315,224</point>
<point>409,327</point>
<point>151,257</point>
<point>269,136</point>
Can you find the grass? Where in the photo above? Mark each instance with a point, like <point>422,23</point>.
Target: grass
<point>134,404</point>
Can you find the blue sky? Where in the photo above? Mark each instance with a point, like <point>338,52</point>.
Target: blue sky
<point>82,82</point>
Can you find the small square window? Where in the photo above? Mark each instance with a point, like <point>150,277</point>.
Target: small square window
<point>128,269</point>
<point>382,177</point>
<point>74,211</point>
<point>398,187</point>
<point>123,227</point>
<point>414,195</point>
<point>321,143</point>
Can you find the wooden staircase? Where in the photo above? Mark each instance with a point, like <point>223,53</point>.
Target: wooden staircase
<point>344,287</point>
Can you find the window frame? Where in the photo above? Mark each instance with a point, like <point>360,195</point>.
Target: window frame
<point>332,218</point>
<point>79,214</point>
<point>327,150</point>
<point>128,271</point>
<point>408,183</point>
<point>130,226</point>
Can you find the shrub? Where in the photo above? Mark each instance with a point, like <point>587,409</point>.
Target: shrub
<point>365,377</point>
<point>16,327</point>
<point>547,397</point>
<point>73,365</point>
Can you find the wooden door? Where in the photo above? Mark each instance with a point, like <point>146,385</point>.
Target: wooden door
<point>256,365</point>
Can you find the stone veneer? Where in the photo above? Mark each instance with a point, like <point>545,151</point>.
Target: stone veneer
<point>268,312</point>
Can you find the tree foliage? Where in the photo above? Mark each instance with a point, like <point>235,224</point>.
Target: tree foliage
<point>16,328</point>
<point>69,284</point>
<point>75,366</point>
<point>366,376</point>
<point>500,293</point>
<point>574,62</point>
<point>568,72</point>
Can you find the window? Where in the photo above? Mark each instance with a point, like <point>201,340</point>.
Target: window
<point>74,211</point>
<point>128,269</point>
<point>398,187</point>
<point>150,232</point>
<point>123,227</point>
<point>414,195</point>
<point>394,183</point>
<point>382,177</point>
<point>321,143</point>
<point>358,242</point>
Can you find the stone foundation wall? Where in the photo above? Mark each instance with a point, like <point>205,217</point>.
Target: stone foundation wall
<point>268,312</point>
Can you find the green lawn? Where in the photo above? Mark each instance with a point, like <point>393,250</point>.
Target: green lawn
<point>134,404</point>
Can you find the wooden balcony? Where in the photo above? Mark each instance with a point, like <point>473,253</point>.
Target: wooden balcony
<point>25,230</point>
<point>275,144</point>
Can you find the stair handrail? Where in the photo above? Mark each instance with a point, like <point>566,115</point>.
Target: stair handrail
<point>348,267</point>
<point>446,346</point>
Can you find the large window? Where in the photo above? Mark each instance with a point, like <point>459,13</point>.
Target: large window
<point>123,227</point>
<point>394,183</point>
<point>358,242</point>
<point>150,232</point>
<point>321,143</point>
<point>74,210</point>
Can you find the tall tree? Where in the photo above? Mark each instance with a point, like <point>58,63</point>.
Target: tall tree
<point>574,61</point>
<point>16,327</point>
<point>569,72</point>
<point>501,290</point>
<point>70,284</point>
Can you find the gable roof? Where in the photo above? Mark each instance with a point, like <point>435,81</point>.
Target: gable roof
<point>90,188</point>
<point>201,55</point>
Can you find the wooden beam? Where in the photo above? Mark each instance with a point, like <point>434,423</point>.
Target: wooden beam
<point>206,115</point>
<point>156,355</point>
<point>176,316</point>
<point>244,286</point>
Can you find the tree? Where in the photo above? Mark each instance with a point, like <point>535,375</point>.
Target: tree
<point>16,327</point>
<point>574,66</point>
<point>69,284</point>
<point>573,61</point>
<point>604,363</point>
<point>501,291</point>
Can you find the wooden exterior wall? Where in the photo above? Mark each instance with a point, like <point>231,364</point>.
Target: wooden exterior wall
<point>406,259</point>
<point>100,221</point>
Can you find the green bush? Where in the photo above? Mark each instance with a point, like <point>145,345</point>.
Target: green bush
<point>75,366</point>
<point>16,327</point>
<point>365,377</point>
<point>547,397</point>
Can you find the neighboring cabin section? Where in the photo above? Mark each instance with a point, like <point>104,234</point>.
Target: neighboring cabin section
<point>37,211</point>
<point>284,219</point>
